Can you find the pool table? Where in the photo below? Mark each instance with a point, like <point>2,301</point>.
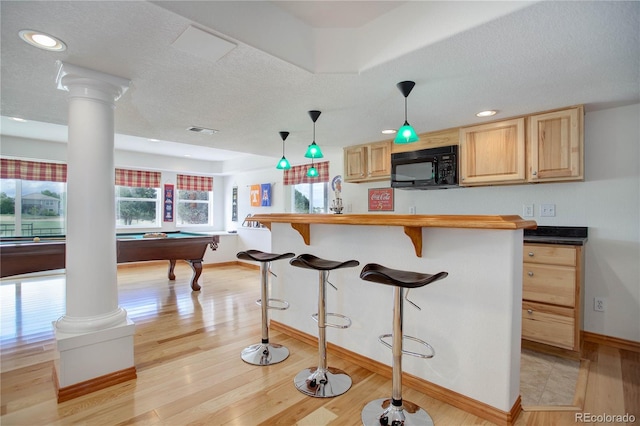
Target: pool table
<point>21,255</point>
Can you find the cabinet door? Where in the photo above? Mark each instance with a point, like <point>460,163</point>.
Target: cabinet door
<point>355,163</point>
<point>555,146</point>
<point>493,153</point>
<point>379,160</point>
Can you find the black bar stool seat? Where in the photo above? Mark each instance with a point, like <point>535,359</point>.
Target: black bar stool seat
<point>310,261</point>
<point>406,279</point>
<point>265,353</point>
<point>323,381</point>
<point>261,256</point>
<point>394,411</point>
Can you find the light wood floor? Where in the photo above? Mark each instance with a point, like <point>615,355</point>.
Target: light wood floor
<point>187,347</point>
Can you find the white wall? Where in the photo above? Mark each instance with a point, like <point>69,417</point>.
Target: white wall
<point>607,202</point>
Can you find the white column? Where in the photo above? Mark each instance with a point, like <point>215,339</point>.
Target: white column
<point>94,328</point>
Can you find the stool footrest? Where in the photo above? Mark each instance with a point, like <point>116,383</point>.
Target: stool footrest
<point>431,353</point>
<point>284,307</point>
<point>328,324</point>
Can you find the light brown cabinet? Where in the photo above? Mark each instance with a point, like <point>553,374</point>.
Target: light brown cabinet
<point>493,153</point>
<point>556,145</point>
<point>368,162</point>
<point>551,295</point>
<point>429,140</point>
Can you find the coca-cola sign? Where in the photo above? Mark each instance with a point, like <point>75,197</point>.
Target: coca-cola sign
<point>381,200</point>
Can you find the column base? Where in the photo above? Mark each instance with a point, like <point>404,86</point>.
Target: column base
<point>381,412</point>
<point>94,354</point>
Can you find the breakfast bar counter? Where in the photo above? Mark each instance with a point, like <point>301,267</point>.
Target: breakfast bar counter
<point>412,224</point>
<point>472,318</point>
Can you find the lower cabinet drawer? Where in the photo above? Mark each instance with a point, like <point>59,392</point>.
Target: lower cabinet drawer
<point>552,325</point>
<point>549,284</point>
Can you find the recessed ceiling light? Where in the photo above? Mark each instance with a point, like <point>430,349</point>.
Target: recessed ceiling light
<point>487,113</point>
<point>42,40</point>
<point>187,155</point>
<point>18,119</point>
<point>153,140</point>
<point>388,131</point>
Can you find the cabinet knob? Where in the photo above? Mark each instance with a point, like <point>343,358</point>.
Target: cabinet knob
<point>534,173</point>
<point>530,254</point>
<point>530,273</point>
<point>529,311</point>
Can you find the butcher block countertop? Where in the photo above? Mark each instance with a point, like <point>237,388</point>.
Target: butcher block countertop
<point>412,224</point>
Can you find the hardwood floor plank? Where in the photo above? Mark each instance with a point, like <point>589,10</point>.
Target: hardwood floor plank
<point>630,365</point>
<point>187,353</point>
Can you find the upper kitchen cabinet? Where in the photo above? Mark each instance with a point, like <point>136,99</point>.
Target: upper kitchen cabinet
<point>556,146</point>
<point>493,153</point>
<point>368,162</point>
<point>429,140</point>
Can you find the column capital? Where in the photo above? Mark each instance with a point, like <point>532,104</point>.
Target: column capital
<point>89,83</point>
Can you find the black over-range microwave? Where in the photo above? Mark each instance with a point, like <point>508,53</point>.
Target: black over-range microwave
<point>434,168</point>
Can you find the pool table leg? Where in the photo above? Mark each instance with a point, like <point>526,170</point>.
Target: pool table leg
<point>196,265</point>
<point>172,265</point>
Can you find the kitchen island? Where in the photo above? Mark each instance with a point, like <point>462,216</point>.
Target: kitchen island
<point>472,318</point>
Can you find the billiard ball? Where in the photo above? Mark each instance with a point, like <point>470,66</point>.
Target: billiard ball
<point>36,240</point>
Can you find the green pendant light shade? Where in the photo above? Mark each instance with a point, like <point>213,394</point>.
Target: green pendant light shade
<point>312,171</point>
<point>406,133</point>
<point>314,151</point>
<point>283,164</point>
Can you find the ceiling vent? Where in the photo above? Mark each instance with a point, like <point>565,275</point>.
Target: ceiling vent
<point>202,130</point>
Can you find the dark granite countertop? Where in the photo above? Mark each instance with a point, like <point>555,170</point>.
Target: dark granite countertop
<point>563,235</point>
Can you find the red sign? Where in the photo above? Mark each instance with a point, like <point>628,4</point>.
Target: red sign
<point>381,200</point>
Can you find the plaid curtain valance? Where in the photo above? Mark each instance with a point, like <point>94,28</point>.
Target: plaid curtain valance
<point>298,174</point>
<point>32,170</point>
<point>137,178</point>
<point>195,183</point>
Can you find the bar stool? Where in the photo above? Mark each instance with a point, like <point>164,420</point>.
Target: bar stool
<point>323,381</point>
<point>265,353</point>
<point>395,411</point>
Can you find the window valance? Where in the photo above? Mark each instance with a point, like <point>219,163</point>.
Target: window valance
<point>195,183</point>
<point>298,174</point>
<point>32,170</point>
<point>137,178</point>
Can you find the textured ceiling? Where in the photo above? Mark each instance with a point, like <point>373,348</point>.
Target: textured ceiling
<point>291,57</point>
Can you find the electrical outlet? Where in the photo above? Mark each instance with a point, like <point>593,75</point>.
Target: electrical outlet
<point>527,210</point>
<point>412,210</point>
<point>599,304</point>
<point>547,210</point>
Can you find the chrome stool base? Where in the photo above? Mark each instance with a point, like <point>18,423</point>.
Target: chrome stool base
<point>381,412</point>
<point>322,384</point>
<point>264,354</point>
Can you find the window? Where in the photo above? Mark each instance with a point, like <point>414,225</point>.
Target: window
<point>308,195</point>
<point>310,198</point>
<point>32,198</point>
<point>195,200</point>
<point>137,199</point>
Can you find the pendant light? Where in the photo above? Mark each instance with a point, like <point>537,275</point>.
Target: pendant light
<point>406,133</point>
<point>312,171</point>
<point>283,164</point>
<point>313,151</point>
